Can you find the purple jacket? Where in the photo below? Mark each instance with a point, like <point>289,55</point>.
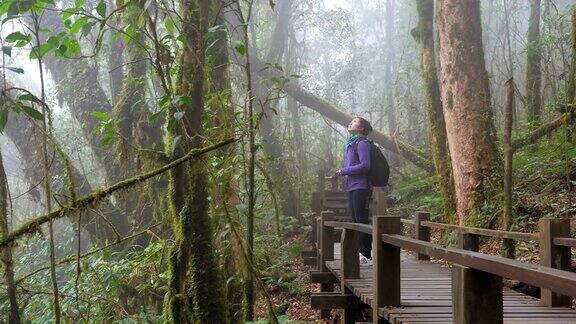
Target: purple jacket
<point>356,166</point>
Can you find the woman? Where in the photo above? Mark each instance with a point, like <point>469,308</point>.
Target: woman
<point>355,172</point>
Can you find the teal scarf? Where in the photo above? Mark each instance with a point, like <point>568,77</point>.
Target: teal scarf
<point>351,139</point>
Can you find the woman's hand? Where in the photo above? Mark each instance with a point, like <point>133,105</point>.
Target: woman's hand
<point>338,173</point>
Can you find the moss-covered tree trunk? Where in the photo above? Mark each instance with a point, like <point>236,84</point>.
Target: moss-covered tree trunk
<point>533,65</point>
<point>424,34</point>
<point>227,190</point>
<point>467,109</point>
<point>6,252</point>
<point>132,113</point>
<point>196,291</point>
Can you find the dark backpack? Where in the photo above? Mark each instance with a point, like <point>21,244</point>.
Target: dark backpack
<point>379,169</point>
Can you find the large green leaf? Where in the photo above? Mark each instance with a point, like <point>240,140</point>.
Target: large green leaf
<point>101,9</point>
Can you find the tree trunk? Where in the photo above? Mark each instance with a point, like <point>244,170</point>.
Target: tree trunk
<point>533,68</point>
<point>131,112</point>
<point>467,110</point>
<point>6,252</point>
<point>200,291</point>
<point>388,71</point>
<point>424,34</point>
<point>271,144</point>
<point>507,244</point>
<point>227,192</point>
<point>115,61</point>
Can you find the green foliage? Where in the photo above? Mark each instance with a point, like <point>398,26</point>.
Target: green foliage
<point>106,126</point>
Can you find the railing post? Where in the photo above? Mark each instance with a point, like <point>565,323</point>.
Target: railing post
<point>318,243</point>
<point>326,240</point>
<point>509,248</point>
<point>557,257</point>
<point>386,281</point>
<point>350,269</point>
<point>476,295</point>
<point>380,198</point>
<point>421,233</point>
<point>468,241</point>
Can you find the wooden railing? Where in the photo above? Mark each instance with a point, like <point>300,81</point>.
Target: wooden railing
<point>477,277</point>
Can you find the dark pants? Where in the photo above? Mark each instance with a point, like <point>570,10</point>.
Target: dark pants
<point>359,210</point>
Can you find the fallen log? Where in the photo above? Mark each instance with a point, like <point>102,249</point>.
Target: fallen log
<point>543,130</point>
<point>388,142</point>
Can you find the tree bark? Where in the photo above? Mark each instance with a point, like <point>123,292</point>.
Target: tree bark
<point>466,103</point>
<point>424,34</point>
<point>227,193</point>
<point>271,144</point>
<point>195,282</point>
<point>6,252</point>
<point>533,65</point>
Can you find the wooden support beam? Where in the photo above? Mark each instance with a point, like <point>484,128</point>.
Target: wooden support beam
<point>350,270</point>
<point>381,203</point>
<point>422,233</point>
<point>326,253</point>
<point>318,240</point>
<point>309,253</point>
<point>468,241</point>
<point>554,256</point>
<point>476,296</point>
<point>386,285</point>
<point>333,300</point>
<point>323,277</point>
<point>310,261</point>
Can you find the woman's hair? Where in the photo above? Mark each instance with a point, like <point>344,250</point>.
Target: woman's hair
<point>365,124</point>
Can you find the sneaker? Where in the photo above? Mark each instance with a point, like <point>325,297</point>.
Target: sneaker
<point>364,261</point>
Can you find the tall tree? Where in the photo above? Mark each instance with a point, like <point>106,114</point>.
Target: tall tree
<point>6,252</point>
<point>467,109</point>
<point>424,34</point>
<point>195,284</point>
<point>271,143</point>
<point>533,65</point>
<point>388,71</point>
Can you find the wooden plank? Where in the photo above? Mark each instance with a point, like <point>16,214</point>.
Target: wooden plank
<point>519,236</point>
<point>332,300</point>
<point>565,241</point>
<point>323,277</point>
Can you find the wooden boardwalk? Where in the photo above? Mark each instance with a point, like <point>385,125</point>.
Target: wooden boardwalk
<point>426,295</point>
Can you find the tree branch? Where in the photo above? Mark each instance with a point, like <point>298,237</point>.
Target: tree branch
<point>95,197</point>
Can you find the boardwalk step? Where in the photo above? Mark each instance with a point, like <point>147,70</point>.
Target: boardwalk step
<point>323,277</point>
<point>333,300</point>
